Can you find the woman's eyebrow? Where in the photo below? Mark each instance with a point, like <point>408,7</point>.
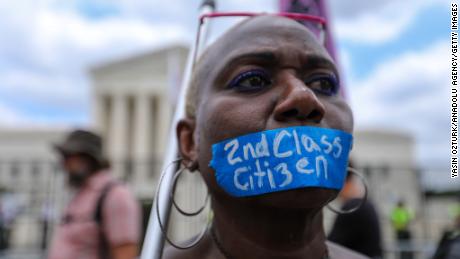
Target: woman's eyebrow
<point>312,60</point>
<point>262,56</point>
<point>271,58</point>
<point>254,57</point>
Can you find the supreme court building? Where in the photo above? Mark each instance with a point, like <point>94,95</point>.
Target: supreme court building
<point>133,104</point>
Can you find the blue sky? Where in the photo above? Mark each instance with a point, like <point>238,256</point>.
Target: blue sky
<point>394,56</point>
<point>427,27</point>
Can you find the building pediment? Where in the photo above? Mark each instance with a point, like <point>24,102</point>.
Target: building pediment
<point>153,69</point>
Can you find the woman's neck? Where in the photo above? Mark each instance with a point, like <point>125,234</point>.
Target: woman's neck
<point>253,231</point>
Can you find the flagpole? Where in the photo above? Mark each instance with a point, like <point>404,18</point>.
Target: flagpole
<point>154,239</point>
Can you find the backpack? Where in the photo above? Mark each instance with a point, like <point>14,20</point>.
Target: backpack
<point>104,249</point>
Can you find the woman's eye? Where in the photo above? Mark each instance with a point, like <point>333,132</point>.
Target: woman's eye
<point>323,84</point>
<point>251,80</point>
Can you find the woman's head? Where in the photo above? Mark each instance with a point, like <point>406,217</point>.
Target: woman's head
<point>267,72</point>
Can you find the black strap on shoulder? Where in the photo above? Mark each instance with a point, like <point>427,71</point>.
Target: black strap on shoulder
<point>104,252</point>
<point>100,202</point>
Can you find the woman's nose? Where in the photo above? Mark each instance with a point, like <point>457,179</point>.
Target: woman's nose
<point>298,102</point>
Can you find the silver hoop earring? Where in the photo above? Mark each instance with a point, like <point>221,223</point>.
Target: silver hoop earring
<point>362,200</point>
<point>171,194</point>
<point>157,208</point>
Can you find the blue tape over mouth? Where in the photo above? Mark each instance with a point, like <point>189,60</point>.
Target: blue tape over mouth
<point>281,159</point>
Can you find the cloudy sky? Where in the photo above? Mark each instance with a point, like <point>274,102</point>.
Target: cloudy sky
<point>395,58</point>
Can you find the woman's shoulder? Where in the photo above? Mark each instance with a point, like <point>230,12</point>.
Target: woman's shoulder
<point>203,251</point>
<point>339,252</point>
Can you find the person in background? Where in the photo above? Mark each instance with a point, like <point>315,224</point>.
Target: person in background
<point>449,245</point>
<point>401,218</point>
<point>10,209</point>
<point>102,220</point>
<point>3,243</point>
<point>46,218</point>
<point>360,229</point>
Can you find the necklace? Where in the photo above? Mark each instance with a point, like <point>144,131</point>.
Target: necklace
<point>227,255</point>
<point>219,245</point>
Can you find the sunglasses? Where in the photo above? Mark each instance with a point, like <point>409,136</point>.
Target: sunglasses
<point>316,24</point>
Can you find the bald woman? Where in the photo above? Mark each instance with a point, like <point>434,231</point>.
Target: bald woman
<point>267,80</point>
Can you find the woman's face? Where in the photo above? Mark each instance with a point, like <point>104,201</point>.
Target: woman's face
<point>268,73</point>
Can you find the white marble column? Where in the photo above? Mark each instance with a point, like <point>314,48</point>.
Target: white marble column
<point>118,134</point>
<point>163,125</point>
<point>141,127</point>
<point>99,114</point>
<point>174,76</point>
<point>142,141</point>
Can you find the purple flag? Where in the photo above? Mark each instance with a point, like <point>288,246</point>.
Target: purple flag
<point>311,7</point>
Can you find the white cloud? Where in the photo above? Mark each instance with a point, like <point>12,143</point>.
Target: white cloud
<point>57,33</point>
<point>368,28</point>
<point>10,117</point>
<point>59,91</point>
<point>14,119</point>
<point>375,22</point>
<point>409,92</point>
<point>352,8</point>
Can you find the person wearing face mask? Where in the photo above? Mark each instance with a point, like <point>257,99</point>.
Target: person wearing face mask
<point>270,134</point>
<point>102,219</point>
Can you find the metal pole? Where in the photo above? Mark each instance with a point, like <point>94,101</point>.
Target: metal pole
<point>154,240</point>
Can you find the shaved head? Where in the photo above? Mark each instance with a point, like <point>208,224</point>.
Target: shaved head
<point>245,37</point>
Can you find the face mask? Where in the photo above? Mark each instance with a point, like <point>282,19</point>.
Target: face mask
<point>282,159</point>
<point>80,171</point>
<point>77,178</point>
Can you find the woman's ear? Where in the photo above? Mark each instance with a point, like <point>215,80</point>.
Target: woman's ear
<point>185,136</point>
